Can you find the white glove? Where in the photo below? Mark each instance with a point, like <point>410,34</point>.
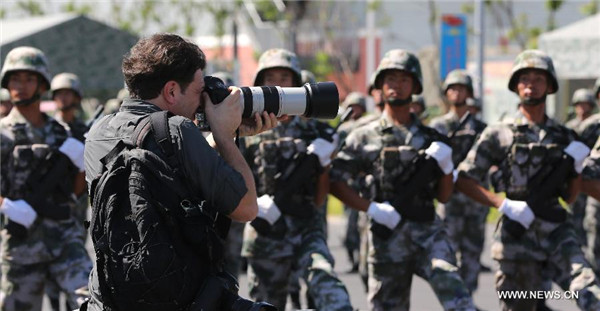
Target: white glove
<point>442,153</point>
<point>18,211</point>
<point>518,211</point>
<point>73,149</point>
<point>267,209</point>
<point>322,149</point>
<point>578,151</point>
<point>384,214</point>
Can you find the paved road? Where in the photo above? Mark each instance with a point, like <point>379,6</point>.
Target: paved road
<point>422,297</point>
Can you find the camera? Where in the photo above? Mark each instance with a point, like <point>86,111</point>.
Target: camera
<point>313,100</point>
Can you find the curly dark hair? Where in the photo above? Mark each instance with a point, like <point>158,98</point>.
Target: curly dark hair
<point>154,61</point>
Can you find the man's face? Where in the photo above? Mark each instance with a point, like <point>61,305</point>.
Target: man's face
<point>5,107</point>
<point>457,94</point>
<point>66,98</point>
<point>278,77</point>
<point>416,108</point>
<point>187,101</point>
<point>397,84</point>
<point>583,108</point>
<point>23,85</point>
<point>532,84</point>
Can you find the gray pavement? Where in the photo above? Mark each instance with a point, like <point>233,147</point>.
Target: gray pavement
<point>422,296</point>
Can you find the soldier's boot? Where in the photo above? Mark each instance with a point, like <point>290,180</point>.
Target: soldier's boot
<point>295,298</point>
<point>310,301</point>
<point>541,305</point>
<point>484,268</point>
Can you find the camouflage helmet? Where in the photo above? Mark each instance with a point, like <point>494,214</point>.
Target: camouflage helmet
<point>533,59</point>
<point>308,77</point>
<point>597,87</point>
<point>583,96</point>
<point>4,95</point>
<point>458,76</point>
<point>399,60</point>
<point>67,81</point>
<point>418,99</point>
<point>473,102</point>
<point>226,77</point>
<point>278,58</point>
<point>25,58</point>
<point>355,98</point>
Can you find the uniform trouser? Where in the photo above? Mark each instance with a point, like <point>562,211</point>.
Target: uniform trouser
<point>577,218</point>
<point>22,286</point>
<point>431,258</point>
<point>363,263</point>
<point>352,237</point>
<point>268,277</point>
<point>592,228</point>
<point>545,251</point>
<point>464,221</point>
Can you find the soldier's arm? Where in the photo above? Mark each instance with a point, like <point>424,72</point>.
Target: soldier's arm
<point>445,188</point>
<point>79,184</point>
<point>474,190</point>
<point>348,196</point>
<point>574,187</point>
<point>591,187</point>
<point>322,187</point>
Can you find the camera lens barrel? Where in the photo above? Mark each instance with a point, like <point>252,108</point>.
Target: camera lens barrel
<point>316,100</point>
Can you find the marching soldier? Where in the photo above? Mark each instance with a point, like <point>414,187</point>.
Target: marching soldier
<point>534,241</point>
<point>42,171</point>
<point>295,234</point>
<point>415,241</point>
<point>583,103</point>
<point>463,218</point>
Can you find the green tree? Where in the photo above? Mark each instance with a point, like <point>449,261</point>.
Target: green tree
<point>590,8</point>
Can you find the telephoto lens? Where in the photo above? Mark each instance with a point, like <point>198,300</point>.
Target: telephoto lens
<point>313,100</point>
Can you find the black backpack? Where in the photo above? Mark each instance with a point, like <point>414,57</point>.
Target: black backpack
<point>155,244</point>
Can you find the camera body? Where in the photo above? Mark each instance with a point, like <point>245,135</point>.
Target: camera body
<point>316,100</point>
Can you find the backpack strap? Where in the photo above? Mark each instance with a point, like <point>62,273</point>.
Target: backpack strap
<point>159,122</point>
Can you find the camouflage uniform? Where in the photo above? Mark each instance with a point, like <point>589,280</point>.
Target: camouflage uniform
<point>590,131</point>
<point>580,96</point>
<point>51,249</point>
<point>420,248</point>
<point>270,259</point>
<point>463,218</point>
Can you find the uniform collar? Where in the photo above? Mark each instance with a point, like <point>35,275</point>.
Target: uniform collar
<point>138,105</point>
<point>386,122</point>
<point>15,117</point>
<point>521,120</point>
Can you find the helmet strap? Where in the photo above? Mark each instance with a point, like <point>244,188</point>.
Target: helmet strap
<point>393,101</point>
<point>29,101</point>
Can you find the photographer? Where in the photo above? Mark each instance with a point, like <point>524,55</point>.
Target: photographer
<point>296,238</point>
<point>165,73</point>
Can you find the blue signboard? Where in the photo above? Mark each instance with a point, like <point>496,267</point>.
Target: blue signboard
<point>453,52</point>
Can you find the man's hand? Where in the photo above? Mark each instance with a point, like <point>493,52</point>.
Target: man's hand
<point>226,117</point>
<point>518,211</point>
<point>385,214</point>
<point>255,126</point>
<point>442,153</point>
<point>73,149</point>
<point>578,151</point>
<point>18,211</point>
<point>323,149</point>
<point>267,209</point>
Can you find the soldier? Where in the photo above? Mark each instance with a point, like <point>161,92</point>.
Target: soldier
<point>386,149</point>
<point>535,242</point>
<point>295,237</point>
<point>42,239</point>
<point>474,107</point>
<point>583,103</point>
<point>591,173</point>
<point>112,105</point>
<point>417,106</point>
<point>67,94</point>
<point>357,102</point>
<point>590,131</point>
<point>5,103</point>
<point>463,218</point>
